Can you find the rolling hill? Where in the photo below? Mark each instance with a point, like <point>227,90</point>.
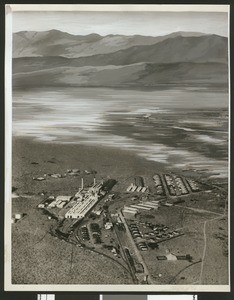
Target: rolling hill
<point>57,43</point>
<point>57,58</point>
<point>136,75</point>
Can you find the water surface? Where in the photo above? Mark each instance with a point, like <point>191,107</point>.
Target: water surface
<point>185,129</point>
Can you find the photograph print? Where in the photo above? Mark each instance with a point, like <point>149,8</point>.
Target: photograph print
<point>117,142</point>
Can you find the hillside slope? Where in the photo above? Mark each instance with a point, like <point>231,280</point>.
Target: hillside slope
<point>145,75</point>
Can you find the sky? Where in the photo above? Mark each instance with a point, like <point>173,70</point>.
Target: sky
<point>126,23</point>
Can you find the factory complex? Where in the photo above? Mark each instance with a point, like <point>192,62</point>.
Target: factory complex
<point>132,221</point>
<point>86,199</point>
<point>79,205</point>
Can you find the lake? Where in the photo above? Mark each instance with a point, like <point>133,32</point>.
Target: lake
<point>185,129</point>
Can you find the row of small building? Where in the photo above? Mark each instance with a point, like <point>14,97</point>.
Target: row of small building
<point>193,185</point>
<point>138,185</point>
<point>158,185</point>
<point>135,188</point>
<point>181,186</point>
<point>173,182</point>
<point>133,210</point>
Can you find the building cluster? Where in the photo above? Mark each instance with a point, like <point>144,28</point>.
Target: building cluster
<point>193,185</point>
<point>132,210</point>
<point>159,185</point>
<point>60,201</point>
<point>129,212</point>
<point>70,172</point>
<point>174,184</point>
<point>142,246</point>
<point>52,202</point>
<point>71,209</point>
<point>85,233</point>
<point>86,199</point>
<point>134,231</point>
<point>170,184</point>
<point>146,239</point>
<point>96,233</point>
<point>137,185</point>
<point>108,225</point>
<point>77,207</point>
<point>135,188</point>
<point>181,186</point>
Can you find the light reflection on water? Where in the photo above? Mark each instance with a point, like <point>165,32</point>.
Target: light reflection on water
<point>131,120</point>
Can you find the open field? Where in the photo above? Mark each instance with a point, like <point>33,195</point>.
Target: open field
<point>39,258</point>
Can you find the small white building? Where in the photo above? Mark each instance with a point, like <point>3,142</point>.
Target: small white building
<point>108,225</point>
<point>130,187</point>
<point>18,216</point>
<point>141,206</point>
<point>63,198</point>
<point>61,204</point>
<point>129,212</point>
<point>138,189</point>
<point>144,189</point>
<point>98,212</point>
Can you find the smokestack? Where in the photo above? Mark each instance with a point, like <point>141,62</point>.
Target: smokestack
<point>94,180</point>
<point>82,183</point>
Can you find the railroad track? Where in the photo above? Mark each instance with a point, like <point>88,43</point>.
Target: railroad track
<point>100,253</point>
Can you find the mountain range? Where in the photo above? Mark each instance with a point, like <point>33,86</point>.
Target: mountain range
<point>55,58</point>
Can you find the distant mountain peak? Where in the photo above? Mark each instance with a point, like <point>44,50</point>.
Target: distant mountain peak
<point>112,34</point>
<point>54,57</point>
<point>59,43</point>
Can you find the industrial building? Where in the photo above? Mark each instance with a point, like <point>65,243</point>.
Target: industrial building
<point>193,185</point>
<point>81,208</point>
<point>109,184</point>
<point>129,212</point>
<point>136,188</point>
<point>60,201</point>
<point>157,180</point>
<point>139,206</point>
<point>149,205</point>
<point>85,200</point>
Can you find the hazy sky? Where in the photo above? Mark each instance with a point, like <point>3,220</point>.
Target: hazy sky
<point>127,23</point>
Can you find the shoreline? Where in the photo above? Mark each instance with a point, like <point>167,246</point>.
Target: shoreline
<point>100,153</point>
<point>218,88</point>
<point>107,161</point>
